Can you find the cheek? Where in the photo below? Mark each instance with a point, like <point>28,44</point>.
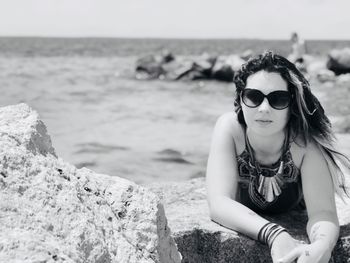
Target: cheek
<point>248,114</point>
<point>283,117</point>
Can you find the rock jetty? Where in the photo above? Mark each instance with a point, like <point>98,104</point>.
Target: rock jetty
<point>223,68</point>
<point>205,67</point>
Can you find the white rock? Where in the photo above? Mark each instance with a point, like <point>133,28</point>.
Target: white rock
<point>52,212</point>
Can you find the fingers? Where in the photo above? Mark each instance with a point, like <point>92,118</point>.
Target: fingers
<point>291,256</point>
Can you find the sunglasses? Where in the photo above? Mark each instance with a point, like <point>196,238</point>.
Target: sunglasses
<point>279,99</point>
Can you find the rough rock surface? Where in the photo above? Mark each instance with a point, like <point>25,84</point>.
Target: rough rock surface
<point>201,240</point>
<point>52,212</point>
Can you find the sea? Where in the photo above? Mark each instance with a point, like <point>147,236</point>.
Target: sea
<point>99,116</point>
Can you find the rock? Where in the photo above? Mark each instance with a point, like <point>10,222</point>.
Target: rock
<point>201,240</point>
<point>167,56</point>
<point>325,75</point>
<point>343,79</point>
<point>235,62</point>
<point>223,72</point>
<point>203,66</point>
<point>30,132</point>
<point>193,74</point>
<point>314,66</point>
<point>200,68</point>
<point>149,67</point>
<point>177,68</point>
<point>247,54</point>
<point>167,67</point>
<point>194,68</point>
<point>339,61</point>
<point>223,69</point>
<point>53,212</point>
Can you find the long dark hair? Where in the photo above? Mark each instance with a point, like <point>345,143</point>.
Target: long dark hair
<point>307,117</point>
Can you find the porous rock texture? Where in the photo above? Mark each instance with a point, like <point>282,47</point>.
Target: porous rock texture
<point>52,212</point>
<point>201,240</point>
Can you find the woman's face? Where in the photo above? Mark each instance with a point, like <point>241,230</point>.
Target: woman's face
<point>264,119</point>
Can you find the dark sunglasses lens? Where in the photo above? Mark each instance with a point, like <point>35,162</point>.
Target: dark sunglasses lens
<point>252,98</point>
<point>279,99</point>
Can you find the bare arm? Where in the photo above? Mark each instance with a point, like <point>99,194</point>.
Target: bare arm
<point>323,224</point>
<point>221,182</point>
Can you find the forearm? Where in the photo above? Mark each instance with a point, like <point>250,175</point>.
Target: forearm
<point>324,228</point>
<point>236,216</point>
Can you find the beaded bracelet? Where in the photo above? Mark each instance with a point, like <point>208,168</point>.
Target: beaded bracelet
<point>268,233</point>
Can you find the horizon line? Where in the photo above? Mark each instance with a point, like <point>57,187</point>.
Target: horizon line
<point>167,38</point>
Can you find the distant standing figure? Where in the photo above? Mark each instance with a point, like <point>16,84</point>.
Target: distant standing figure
<point>298,49</point>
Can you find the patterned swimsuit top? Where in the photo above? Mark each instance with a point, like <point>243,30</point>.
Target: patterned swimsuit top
<point>269,189</point>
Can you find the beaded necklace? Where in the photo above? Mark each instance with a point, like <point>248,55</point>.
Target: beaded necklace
<point>269,186</point>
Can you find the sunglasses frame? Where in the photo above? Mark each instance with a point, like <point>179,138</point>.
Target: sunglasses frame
<point>268,98</point>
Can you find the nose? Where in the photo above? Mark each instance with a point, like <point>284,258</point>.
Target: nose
<point>264,106</point>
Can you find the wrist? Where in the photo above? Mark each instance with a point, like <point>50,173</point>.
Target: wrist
<point>284,235</point>
<point>269,232</point>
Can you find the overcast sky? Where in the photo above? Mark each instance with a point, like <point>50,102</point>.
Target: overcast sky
<point>269,19</point>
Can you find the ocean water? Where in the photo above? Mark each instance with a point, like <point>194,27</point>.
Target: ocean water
<point>100,117</point>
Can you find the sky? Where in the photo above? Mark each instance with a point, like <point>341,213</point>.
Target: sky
<point>265,19</point>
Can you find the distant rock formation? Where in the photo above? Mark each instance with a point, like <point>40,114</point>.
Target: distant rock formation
<point>53,212</point>
<point>339,61</point>
<point>223,68</point>
<point>149,67</point>
<point>167,66</point>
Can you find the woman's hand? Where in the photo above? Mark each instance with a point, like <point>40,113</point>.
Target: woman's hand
<point>283,245</point>
<point>317,252</point>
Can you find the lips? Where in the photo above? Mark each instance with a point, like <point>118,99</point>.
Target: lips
<point>264,121</point>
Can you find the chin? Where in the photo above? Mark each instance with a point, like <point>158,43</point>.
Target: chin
<point>267,131</point>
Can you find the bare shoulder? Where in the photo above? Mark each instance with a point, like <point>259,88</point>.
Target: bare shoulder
<point>300,149</point>
<point>221,166</point>
<point>228,118</point>
<point>228,122</point>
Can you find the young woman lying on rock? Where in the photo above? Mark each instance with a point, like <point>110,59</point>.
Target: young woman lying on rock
<point>272,155</point>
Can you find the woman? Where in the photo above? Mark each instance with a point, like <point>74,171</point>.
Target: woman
<point>273,154</point>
